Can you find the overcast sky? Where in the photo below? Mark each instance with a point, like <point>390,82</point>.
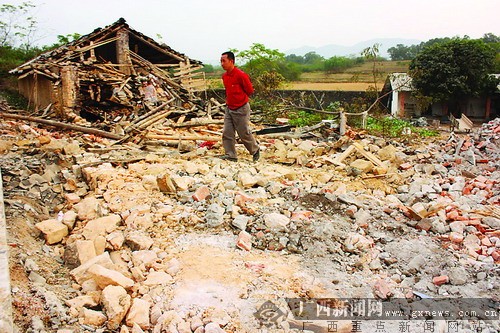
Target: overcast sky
<point>202,29</point>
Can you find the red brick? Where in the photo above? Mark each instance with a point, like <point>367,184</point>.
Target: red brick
<point>439,280</point>
<point>301,215</point>
<point>480,185</point>
<point>201,193</point>
<point>473,222</point>
<point>241,198</point>
<point>388,210</point>
<point>259,235</point>
<point>382,290</point>
<point>405,166</point>
<point>452,215</point>
<point>455,237</point>
<point>486,241</point>
<point>244,241</point>
<point>481,179</point>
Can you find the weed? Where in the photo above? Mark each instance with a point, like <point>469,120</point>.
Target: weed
<point>394,127</point>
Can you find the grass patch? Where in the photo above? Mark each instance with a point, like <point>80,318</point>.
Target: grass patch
<point>394,127</point>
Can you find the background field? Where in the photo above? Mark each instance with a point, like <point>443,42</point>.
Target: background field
<point>357,78</point>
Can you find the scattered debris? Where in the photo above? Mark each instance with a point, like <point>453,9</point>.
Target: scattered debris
<point>115,236</point>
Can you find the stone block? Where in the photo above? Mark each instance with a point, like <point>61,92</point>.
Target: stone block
<point>105,277</point>
<point>116,303</point>
<point>53,230</point>
<point>101,226</point>
<point>139,313</point>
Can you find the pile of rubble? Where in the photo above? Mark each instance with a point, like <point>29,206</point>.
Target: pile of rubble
<point>174,240</point>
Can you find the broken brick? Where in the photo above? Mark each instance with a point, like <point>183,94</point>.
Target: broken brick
<point>201,193</point>
<point>405,166</point>
<point>424,224</point>
<point>456,237</point>
<point>244,241</point>
<point>382,289</point>
<point>440,280</point>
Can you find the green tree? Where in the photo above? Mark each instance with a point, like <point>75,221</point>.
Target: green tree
<point>403,52</point>
<point>338,64</point>
<point>263,65</point>
<point>490,38</point>
<point>493,41</point>
<point>295,59</point>
<point>372,54</point>
<point>451,71</point>
<point>18,27</point>
<point>312,58</point>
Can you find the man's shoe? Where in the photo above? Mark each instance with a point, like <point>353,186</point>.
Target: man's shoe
<point>256,156</point>
<point>228,158</point>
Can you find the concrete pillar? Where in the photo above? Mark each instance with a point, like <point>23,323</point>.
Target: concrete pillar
<point>343,123</point>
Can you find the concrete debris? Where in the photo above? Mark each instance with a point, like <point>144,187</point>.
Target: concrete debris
<point>163,241</point>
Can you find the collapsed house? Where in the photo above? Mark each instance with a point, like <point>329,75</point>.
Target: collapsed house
<point>112,68</point>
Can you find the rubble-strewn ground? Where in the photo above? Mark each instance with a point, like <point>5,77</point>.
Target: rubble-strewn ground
<point>121,239</point>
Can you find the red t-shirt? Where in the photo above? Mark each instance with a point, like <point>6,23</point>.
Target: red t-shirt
<point>238,88</point>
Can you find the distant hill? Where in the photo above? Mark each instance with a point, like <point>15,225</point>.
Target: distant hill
<point>331,50</point>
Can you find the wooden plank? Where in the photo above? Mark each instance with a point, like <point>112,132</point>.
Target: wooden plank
<point>344,155</point>
<point>62,125</point>
<point>183,137</point>
<point>369,156</point>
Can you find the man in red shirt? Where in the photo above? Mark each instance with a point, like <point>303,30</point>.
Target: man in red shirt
<point>237,116</point>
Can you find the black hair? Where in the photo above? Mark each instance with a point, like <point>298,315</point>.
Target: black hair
<point>230,55</point>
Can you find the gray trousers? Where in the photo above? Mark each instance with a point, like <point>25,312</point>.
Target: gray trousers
<point>237,121</point>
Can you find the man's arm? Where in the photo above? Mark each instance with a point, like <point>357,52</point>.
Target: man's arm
<point>247,84</point>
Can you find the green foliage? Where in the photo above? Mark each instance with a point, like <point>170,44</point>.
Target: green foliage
<point>267,81</point>
<point>207,68</point>
<point>12,57</point>
<point>338,64</point>
<point>393,127</point>
<point>12,96</point>
<point>310,62</point>
<point>63,40</point>
<point>289,70</point>
<point>403,52</point>
<point>264,66</point>
<point>18,28</point>
<point>453,70</point>
<point>372,54</point>
<point>302,118</point>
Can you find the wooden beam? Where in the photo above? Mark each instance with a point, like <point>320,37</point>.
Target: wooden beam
<point>62,125</point>
<point>173,55</point>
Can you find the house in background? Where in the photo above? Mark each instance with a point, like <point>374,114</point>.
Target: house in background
<point>402,104</point>
<point>107,68</point>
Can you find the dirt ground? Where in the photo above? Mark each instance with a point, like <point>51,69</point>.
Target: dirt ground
<point>326,251</point>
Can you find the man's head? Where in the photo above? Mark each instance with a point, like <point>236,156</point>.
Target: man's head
<point>227,61</point>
